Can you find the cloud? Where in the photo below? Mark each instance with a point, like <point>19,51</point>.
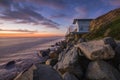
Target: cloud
<point>115,3</point>
<point>59,4</point>
<point>21,12</point>
<point>5,3</point>
<point>81,12</point>
<point>59,15</point>
<point>50,24</point>
<point>19,30</point>
<point>1,23</point>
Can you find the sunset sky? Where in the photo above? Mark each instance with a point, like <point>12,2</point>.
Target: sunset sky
<point>26,18</point>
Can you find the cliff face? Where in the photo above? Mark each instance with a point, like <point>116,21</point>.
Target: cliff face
<point>105,25</point>
<point>105,19</point>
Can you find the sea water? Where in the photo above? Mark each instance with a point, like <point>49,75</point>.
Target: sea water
<point>23,48</point>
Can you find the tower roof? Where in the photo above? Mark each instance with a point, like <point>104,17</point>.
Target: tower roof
<point>74,21</point>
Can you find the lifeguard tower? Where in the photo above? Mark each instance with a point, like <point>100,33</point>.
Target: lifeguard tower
<point>82,26</point>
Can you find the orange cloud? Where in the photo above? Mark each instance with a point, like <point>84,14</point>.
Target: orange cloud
<point>29,35</point>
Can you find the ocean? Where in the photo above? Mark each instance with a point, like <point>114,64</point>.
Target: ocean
<point>23,48</point>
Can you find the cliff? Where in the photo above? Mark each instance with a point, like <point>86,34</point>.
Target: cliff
<point>105,25</point>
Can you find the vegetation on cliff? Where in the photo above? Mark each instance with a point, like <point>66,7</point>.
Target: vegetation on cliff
<point>105,25</point>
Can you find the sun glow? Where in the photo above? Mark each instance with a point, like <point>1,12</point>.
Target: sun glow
<point>23,34</point>
<point>9,32</point>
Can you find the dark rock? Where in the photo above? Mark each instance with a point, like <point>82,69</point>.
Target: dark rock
<point>100,70</point>
<point>44,53</point>
<point>10,65</point>
<point>52,45</point>
<point>117,50</point>
<point>56,44</point>
<point>59,50</point>
<point>116,60</point>
<point>69,76</point>
<point>45,72</point>
<point>63,44</point>
<point>8,74</point>
<point>82,40</point>
<point>119,67</point>
<point>76,70</point>
<point>51,62</point>
<point>110,41</point>
<point>84,62</point>
<point>53,54</point>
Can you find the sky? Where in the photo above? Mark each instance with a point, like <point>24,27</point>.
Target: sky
<point>48,17</point>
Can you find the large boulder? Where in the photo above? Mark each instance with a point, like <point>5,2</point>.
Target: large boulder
<point>100,70</point>
<point>95,50</point>
<point>69,76</point>
<point>45,72</point>
<point>110,41</point>
<point>70,63</point>
<point>26,74</point>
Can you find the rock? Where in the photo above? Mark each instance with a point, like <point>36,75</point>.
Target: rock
<point>76,70</point>
<point>69,76</point>
<point>63,44</point>
<point>110,41</point>
<point>44,53</point>
<point>53,54</point>
<point>52,45</point>
<point>62,54</point>
<point>8,74</point>
<point>56,44</point>
<point>10,65</point>
<point>83,61</point>
<point>17,70</point>
<point>51,62</point>
<point>59,50</point>
<point>117,50</point>
<point>95,50</point>
<point>116,60</point>
<point>26,74</point>
<point>69,62</point>
<point>100,70</point>
<point>45,72</point>
<point>69,58</point>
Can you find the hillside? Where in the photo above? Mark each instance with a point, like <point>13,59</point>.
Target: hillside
<point>105,25</point>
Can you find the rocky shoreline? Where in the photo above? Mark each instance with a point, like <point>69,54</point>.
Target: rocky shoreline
<point>76,60</point>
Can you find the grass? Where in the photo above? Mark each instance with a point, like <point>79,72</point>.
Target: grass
<point>112,30</point>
